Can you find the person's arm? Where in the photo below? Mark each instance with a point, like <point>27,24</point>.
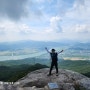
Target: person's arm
<point>47,50</point>
<point>60,51</point>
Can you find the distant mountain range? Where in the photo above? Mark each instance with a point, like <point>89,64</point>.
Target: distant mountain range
<point>40,44</point>
<point>29,44</point>
<point>80,46</point>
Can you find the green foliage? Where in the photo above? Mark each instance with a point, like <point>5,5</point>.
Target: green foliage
<point>30,61</point>
<point>13,73</point>
<point>14,70</point>
<point>82,67</point>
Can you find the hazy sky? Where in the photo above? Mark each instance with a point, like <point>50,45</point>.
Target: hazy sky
<point>44,20</point>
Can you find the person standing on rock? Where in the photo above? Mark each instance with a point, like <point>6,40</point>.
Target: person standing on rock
<point>54,58</point>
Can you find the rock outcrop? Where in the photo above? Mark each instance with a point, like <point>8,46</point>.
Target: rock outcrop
<point>38,80</point>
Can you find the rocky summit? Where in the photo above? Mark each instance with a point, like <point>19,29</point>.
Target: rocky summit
<point>38,80</point>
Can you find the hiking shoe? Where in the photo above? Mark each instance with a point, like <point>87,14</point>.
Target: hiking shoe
<point>56,74</point>
<point>49,75</point>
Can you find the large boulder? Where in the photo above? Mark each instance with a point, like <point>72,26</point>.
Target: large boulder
<point>38,80</point>
<point>66,80</point>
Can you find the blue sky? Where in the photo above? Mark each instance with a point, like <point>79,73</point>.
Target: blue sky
<point>45,20</point>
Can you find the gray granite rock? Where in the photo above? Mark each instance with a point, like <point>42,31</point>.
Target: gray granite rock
<point>38,80</point>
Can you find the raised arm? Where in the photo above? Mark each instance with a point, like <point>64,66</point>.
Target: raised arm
<point>60,51</point>
<point>47,50</point>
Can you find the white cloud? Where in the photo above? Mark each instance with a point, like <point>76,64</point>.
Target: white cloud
<point>77,21</point>
<point>12,28</point>
<point>77,28</point>
<point>13,31</point>
<point>40,1</point>
<point>55,24</point>
<point>47,20</point>
<point>17,31</point>
<point>84,28</point>
<point>79,3</point>
<point>80,10</point>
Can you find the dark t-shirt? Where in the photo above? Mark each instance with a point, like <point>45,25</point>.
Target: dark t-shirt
<point>54,56</point>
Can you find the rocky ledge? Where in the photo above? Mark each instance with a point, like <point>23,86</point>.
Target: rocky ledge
<point>38,80</point>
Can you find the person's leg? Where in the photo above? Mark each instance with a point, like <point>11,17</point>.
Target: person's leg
<point>56,66</point>
<point>52,64</point>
